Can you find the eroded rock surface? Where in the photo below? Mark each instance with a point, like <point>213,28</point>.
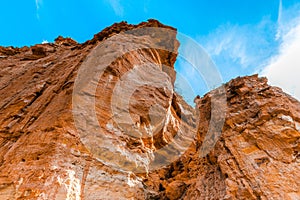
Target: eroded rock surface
<point>44,153</point>
<point>256,157</point>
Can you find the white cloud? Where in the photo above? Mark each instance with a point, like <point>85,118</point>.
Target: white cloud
<point>284,69</point>
<point>268,47</point>
<point>117,7</point>
<point>38,4</point>
<point>239,50</point>
<point>279,19</point>
<point>287,19</point>
<point>228,39</point>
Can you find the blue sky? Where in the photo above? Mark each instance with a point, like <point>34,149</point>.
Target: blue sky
<point>242,37</point>
<point>30,22</point>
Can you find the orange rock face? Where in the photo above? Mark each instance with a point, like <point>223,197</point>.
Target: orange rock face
<point>256,157</point>
<point>101,120</point>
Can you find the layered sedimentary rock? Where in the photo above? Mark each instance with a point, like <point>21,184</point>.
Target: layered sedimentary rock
<point>146,142</point>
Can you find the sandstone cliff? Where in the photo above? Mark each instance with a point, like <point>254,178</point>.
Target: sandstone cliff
<point>149,143</point>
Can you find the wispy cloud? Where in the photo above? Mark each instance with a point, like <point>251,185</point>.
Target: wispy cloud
<point>231,42</point>
<point>240,49</point>
<point>283,69</point>
<point>279,19</point>
<point>270,48</point>
<point>287,19</point>
<point>146,5</point>
<point>117,7</point>
<point>38,4</point>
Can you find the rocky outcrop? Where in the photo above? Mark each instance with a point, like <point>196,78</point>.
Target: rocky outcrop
<point>256,157</point>
<point>147,144</point>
